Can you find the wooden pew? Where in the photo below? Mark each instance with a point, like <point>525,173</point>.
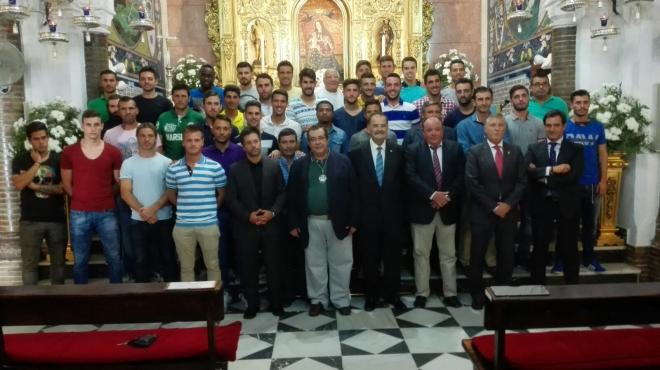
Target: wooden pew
<point>566,306</point>
<point>113,303</point>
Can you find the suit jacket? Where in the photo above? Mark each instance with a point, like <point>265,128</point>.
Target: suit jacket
<point>564,186</point>
<point>415,135</point>
<point>343,200</point>
<point>421,180</point>
<point>486,188</point>
<point>241,197</point>
<point>381,208</point>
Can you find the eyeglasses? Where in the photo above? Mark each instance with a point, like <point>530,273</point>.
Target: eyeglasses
<point>540,84</point>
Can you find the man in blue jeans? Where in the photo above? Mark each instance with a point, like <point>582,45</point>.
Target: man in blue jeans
<point>143,189</point>
<point>90,168</point>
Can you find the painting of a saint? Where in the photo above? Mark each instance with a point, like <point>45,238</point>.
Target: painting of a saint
<point>321,32</point>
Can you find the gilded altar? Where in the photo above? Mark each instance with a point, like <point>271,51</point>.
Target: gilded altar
<point>320,34</point>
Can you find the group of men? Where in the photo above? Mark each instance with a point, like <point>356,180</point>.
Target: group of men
<point>251,178</point>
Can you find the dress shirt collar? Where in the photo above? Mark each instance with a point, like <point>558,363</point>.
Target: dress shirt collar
<point>374,146</point>
<point>491,144</point>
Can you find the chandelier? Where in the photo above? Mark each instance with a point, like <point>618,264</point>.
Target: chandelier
<point>518,15</point>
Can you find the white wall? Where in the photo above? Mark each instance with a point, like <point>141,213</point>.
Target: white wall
<point>632,61</point>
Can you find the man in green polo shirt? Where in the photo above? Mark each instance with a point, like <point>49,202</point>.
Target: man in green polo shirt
<point>172,123</point>
<point>108,84</point>
<point>542,102</point>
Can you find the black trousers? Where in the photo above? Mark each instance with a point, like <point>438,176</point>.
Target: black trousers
<point>544,224</point>
<point>250,263</point>
<point>292,267</point>
<point>505,234</point>
<point>376,246</point>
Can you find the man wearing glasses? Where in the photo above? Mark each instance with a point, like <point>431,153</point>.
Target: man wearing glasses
<point>542,102</point>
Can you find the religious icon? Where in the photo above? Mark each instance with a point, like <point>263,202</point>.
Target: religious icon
<point>321,43</point>
<point>386,38</point>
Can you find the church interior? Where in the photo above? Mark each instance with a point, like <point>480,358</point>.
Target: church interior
<point>53,52</point>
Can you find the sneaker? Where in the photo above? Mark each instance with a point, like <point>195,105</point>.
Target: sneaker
<point>558,268</point>
<point>595,266</point>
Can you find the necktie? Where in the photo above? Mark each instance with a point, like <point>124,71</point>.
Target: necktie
<point>499,160</point>
<point>380,168</point>
<point>436,167</point>
<point>553,154</point>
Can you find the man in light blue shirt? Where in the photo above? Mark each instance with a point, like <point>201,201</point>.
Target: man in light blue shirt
<point>338,141</point>
<point>412,87</point>
<point>470,131</point>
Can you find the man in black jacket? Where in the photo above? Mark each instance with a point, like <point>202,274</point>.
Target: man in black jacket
<point>495,177</point>
<point>255,197</point>
<point>554,167</point>
<point>379,167</point>
<point>435,173</point>
<point>323,212</point>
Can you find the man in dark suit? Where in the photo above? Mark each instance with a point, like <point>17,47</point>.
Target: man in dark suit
<point>322,206</point>
<point>495,177</point>
<point>435,173</point>
<point>554,167</point>
<point>379,169</point>
<point>255,197</point>
<point>416,135</point>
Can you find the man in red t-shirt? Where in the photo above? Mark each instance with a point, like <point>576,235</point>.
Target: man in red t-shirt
<point>90,168</point>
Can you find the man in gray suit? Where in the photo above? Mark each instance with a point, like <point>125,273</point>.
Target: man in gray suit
<point>495,177</point>
<point>255,197</point>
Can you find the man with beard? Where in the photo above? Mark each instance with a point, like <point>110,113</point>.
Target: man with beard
<point>150,104</point>
<point>368,89</point>
<point>593,184</point>
<point>337,139</point>
<point>253,117</point>
<point>255,197</point>
<point>285,78</point>
<point>247,91</point>
<point>401,115</point>
<point>385,68</point>
<point>206,84</point>
<point>456,72</point>
<point>350,117</point>
<point>108,84</point>
<point>433,83</point>
<point>466,106</point>
<point>113,111</point>
<point>362,67</point>
<point>542,102</point>
<point>303,110</point>
<point>524,130</point>
<point>265,91</point>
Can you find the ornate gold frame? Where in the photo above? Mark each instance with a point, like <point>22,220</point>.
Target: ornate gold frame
<point>411,21</point>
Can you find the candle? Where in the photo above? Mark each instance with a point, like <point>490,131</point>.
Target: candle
<point>52,26</point>
<point>141,12</point>
<point>263,53</point>
<point>86,10</point>
<point>382,44</point>
<point>12,2</point>
<point>519,5</point>
<point>603,20</point>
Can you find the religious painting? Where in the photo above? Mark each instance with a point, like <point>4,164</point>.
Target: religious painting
<point>320,30</point>
<point>129,50</point>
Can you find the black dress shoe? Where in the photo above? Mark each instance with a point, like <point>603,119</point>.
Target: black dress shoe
<point>399,305</point>
<point>250,313</point>
<point>315,309</point>
<point>344,311</point>
<point>420,302</point>
<point>477,302</point>
<point>279,312</point>
<point>452,302</point>
<point>369,303</point>
<point>491,270</point>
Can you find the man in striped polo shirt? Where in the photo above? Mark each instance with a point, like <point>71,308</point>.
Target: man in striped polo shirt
<point>196,185</point>
<point>400,115</point>
<point>303,110</point>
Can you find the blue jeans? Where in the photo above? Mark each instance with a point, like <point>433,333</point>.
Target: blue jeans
<point>125,242</point>
<point>83,223</point>
<point>154,250</point>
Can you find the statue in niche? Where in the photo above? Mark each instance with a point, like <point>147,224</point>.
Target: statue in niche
<point>258,41</point>
<point>386,37</point>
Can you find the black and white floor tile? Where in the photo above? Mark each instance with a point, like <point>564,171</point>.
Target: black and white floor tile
<point>384,339</point>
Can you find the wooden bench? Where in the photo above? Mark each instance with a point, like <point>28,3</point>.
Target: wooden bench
<point>113,304</point>
<point>591,305</point>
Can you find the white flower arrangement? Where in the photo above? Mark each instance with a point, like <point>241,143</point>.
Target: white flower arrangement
<point>187,69</point>
<point>627,122</point>
<point>62,123</point>
<point>444,61</point>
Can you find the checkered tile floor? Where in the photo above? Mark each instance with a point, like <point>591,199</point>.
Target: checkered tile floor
<point>385,338</point>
